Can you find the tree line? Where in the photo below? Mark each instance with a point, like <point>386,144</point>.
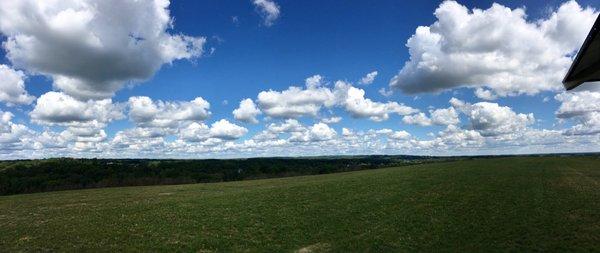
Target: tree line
<point>28,176</point>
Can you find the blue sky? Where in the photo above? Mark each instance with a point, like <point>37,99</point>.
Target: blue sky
<point>228,51</point>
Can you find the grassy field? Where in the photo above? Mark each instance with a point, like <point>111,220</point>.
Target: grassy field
<point>501,204</point>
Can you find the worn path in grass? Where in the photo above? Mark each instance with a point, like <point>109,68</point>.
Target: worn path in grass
<point>515,204</point>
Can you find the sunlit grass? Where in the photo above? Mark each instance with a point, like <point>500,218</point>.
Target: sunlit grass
<point>513,204</point>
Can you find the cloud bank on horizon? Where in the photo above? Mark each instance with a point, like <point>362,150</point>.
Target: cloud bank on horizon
<point>90,50</point>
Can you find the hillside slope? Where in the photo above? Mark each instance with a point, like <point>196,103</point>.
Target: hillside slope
<point>515,204</point>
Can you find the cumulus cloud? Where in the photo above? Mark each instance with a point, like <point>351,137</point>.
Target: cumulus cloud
<point>274,130</point>
<point>139,140</point>
<point>321,132</point>
<point>491,119</point>
<point>316,133</point>
<point>385,92</point>
<point>12,134</point>
<point>332,120</point>
<point>577,103</point>
<point>268,9</point>
<point>496,48</point>
<point>195,132</point>
<point>354,101</point>
<point>582,107</point>
<point>86,134</point>
<point>400,135</point>
<point>12,87</point>
<point>92,48</point>
<point>51,140</point>
<point>57,108</point>
<point>369,78</point>
<point>417,119</point>
<point>458,137</point>
<point>247,111</point>
<point>84,121</point>
<point>148,113</point>
<point>445,117</point>
<point>156,120</point>
<point>295,102</point>
<point>485,94</point>
<point>588,124</point>
<point>191,135</point>
<point>314,82</point>
<point>346,132</point>
<point>291,130</point>
<point>288,126</point>
<point>223,129</point>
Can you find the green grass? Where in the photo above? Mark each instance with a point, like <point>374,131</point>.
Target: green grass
<point>503,204</point>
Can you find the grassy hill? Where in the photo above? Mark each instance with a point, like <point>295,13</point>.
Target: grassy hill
<point>502,204</point>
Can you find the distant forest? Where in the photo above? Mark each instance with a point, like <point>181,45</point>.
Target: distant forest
<point>29,176</point>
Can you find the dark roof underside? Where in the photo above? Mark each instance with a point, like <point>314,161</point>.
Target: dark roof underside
<point>586,66</point>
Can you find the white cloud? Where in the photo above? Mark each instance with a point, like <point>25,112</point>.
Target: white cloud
<point>295,132</point>
<point>314,82</point>
<point>50,140</point>
<point>148,113</point>
<point>417,119</point>
<point>12,86</point>
<point>84,121</point>
<point>316,133</point>
<point>447,116</point>
<point>386,93</point>
<point>455,136</point>
<point>400,135</point>
<point>382,131</point>
<point>347,132</point>
<point>332,120</point>
<point>247,111</point>
<point>451,139</point>
<point>223,129</point>
<point>295,102</point>
<point>84,134</point>
<point>485,94</point>
<point>195,132</point>
<point>497,48</point>
<point>582,107</point>
<point>491,119</point>
<point>192,137</point>
<point>289,137</point>
<point>588,124</point>
<point>369,78</point>
<point>577,103</point>
<point>89,147</point>
<point>11,134</point>
<point>290,125</point>
<point>139,140</point>
<point>274,130</point>
<point>56,108</point>
<point>354,101</point>
<point>321,132</point>
<point>92,48</point>
<point>268,9</point>
<point>442,117</point>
